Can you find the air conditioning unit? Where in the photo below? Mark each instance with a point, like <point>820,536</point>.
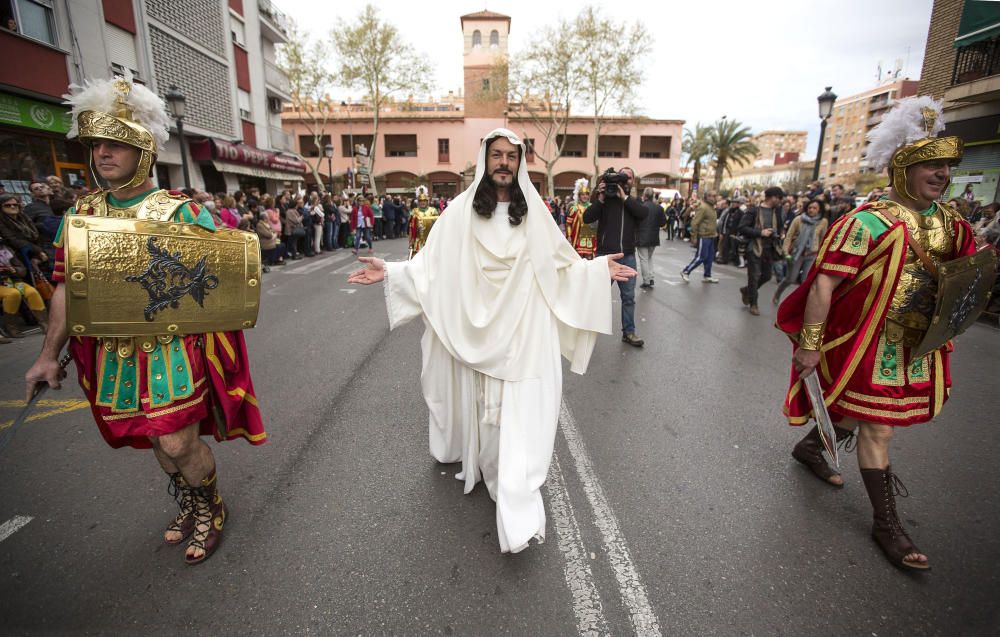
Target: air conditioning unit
<point>274,105</point>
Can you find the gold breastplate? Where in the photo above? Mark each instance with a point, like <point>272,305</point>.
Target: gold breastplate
<point>425,220</point>
<point>913,303</point>
<point>159,205</point>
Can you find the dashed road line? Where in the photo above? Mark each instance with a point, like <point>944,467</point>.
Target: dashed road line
<point>576,569</point>
<point>630,585</point>
<point>13,525</point>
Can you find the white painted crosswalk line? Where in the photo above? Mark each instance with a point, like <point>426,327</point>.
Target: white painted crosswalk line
<point>13,525</point>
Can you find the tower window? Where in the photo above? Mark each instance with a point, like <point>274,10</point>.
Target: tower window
<point>486,84</point>
<point>477,38</point>
<point>494,38</point>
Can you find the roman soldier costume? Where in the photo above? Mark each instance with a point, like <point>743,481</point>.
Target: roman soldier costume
<point>581,236</point>
<point>910,281</point>
<point>422,219</point>
<point>156,297</point>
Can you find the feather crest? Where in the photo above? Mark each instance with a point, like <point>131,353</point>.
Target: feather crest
<point>148,109</point>
<point>902,125</point>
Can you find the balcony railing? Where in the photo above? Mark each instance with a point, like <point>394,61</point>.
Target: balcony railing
<point>280,140</point>
<point>276,77</point>
<point>977,61</point>
<point>271,13</point>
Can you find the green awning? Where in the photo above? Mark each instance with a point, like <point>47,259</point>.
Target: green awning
<point>980,21</point>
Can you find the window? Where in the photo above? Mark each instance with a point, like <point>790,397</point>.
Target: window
<point>400,145</point>
<point>494,38</point>
<point>444,151</point>
<point>243,99</point>
<point>529,150</point>
<point>477,39</point>
<point>121,48</point>
<point>35,19</point>
<point>486,84</point>
<point>239,32</point>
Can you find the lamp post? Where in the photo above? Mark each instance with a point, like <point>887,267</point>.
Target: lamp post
<point>350,135</point>
<point>178,104</point>
<point>826,100</point>
<point>328,149</point>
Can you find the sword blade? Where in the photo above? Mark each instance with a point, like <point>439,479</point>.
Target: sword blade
<point>823,422</point>
<point>8,434</point>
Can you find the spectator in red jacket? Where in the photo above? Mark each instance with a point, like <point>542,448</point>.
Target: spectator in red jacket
<point>362,222</point>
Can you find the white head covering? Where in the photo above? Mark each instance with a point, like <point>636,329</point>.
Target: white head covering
<point>491,329</point>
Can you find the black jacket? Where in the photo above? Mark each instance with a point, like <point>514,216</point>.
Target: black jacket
<point>649,228</point>
<point>617,223</point>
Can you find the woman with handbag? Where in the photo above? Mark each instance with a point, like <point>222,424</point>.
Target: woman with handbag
<point>14,288</point>
<point>295,232</point>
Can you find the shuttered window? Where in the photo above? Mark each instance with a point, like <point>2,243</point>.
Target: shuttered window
<point>121,47</point>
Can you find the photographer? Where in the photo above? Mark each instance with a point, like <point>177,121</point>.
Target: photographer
<point>618,214</point>
<point>762,226</point>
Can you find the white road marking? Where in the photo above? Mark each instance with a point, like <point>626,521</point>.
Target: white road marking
<point>11,526</point>
<point>579,578</point>
<point>630,585</point>
<point>348,290</point>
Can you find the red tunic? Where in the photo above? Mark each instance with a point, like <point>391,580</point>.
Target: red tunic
<point>862,374</point>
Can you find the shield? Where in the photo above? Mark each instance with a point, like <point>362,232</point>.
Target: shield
<point>823,422</point>
<point>963,289</point>
<point>130,277</point>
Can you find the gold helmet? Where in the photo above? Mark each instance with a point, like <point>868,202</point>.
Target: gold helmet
<point>423,195</point>
<point>119,110</point>
<point>907,136</point>
<point>581,187</point>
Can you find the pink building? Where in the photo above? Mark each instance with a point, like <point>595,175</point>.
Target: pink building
<point>437,143</point>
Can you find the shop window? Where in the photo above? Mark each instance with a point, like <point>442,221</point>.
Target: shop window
<point>32,18</point>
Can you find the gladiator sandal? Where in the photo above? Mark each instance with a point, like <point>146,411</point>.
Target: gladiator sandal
<point>809,451</point>
<point>184,496</point>
<point>209,517</point>
<point>887,530</point>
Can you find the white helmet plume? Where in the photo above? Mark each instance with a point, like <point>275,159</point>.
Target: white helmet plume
<point>148,110</point>
<point>902,125</point>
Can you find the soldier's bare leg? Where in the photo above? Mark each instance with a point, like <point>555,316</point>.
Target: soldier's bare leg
<point>184,452</point>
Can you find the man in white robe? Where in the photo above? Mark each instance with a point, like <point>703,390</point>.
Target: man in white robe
<point>502,295</point>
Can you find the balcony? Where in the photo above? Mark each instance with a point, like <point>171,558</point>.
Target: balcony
<point>274,25</point>
<point>977,61</point>
<point>280,140</point>
<point>276,81</point>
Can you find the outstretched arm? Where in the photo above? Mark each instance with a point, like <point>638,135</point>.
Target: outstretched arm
<point>373,272</point>
<point>618,271</point>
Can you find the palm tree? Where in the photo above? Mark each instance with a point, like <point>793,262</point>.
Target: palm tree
<point>696,145</point>
<point>730,143</point>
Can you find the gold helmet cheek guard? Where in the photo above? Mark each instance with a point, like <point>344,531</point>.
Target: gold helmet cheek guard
<point>95,126</point>
<point>929,149</point>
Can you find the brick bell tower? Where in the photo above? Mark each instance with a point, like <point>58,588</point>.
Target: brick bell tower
<point>485,35</point>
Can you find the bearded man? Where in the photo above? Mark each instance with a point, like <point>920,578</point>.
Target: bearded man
<point>864,320</point>
<point>151,382</point>
<point>502,295</point>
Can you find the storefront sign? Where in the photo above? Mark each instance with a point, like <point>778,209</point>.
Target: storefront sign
<point>29,113</point>
<point>244,155</point>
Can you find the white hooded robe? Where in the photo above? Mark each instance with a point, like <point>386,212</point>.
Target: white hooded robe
<point>500,303</point>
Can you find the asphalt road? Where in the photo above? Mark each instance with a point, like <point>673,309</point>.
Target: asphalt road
<point>674,505</point>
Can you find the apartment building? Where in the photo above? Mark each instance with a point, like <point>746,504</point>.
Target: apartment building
<point>219,54</point>
<point>436,143</point>
<point>962,68</point>
<point>842,159</point>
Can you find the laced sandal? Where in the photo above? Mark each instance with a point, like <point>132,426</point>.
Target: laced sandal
<point>887,530</point>
<point>209,517</point>
<point>184,522</point>
<point>809,451</point>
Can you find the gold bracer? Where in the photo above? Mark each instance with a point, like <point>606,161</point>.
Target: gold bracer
<point>134,277</point>
<point>811,336</point>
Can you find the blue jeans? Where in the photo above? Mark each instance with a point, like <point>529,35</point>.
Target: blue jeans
<point>330,234</point>
<point>627,291</point>
<point>363,232</point>
<point>706,255</point>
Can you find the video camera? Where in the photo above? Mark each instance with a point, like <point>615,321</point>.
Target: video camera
<point>612,179</point>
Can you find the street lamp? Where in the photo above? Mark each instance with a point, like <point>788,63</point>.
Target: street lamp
<point>328,149</point>
<point>178,105</point>
<point>350,134</point>
<point>826,100</point>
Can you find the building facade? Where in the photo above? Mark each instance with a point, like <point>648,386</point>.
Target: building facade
<point>962,68</point>
<point>437,143</point>
<point>218,53</point>
<point>842,158</point>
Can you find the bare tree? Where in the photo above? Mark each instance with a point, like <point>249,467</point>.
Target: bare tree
<point>304,61</point>
<point>608,56</point>
<point>377,59</point>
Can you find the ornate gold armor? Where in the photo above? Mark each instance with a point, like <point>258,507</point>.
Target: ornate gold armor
<point>913,304</point>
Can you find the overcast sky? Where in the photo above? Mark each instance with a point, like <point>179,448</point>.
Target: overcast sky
<point>762,62</point>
